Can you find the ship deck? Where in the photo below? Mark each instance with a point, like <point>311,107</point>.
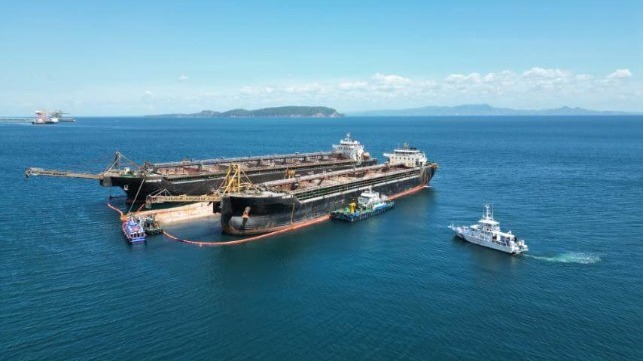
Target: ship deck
<point>319,185</point>
<point>221,170</point>
<point>256,159</point>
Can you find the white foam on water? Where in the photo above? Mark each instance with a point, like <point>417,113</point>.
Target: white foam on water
<point>570,257</point>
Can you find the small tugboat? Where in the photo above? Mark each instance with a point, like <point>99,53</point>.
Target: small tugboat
<point>487,233</point>
<point>133,230</point>
<point>151,226</point>
<point>368,204</point>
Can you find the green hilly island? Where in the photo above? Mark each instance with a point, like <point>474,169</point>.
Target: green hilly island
<point>276,112</point>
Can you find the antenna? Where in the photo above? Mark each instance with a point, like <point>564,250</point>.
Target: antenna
<point>488,210</point>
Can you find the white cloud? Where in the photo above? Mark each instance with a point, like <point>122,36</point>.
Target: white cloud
<point>391,80</point>
<point>463,78</point>
<point>501,76</point>
<point>542,73</point>
<point>183,77</point>
<point>543,79</point>
<point>619,74</point>
<point>536,87</point>
<point>531,88</point>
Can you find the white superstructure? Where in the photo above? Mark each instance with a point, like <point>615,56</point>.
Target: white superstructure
<point>408,156</point>
<point>487,233</point>
<point>43,118</point>
<point>58,115</point>
<point>351,149</point>
<point>370,199</point>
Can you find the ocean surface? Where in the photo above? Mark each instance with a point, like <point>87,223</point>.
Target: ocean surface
<point>397,286</point>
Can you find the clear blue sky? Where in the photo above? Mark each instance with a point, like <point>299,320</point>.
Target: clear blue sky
<point>141,57</point>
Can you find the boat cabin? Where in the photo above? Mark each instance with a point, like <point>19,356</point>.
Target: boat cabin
<point>408,156</point>
<point>367,198</point>
<point>350,149</point>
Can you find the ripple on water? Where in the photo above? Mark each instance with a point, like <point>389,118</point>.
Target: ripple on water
<point>569,257</point>
<point>394,287</point>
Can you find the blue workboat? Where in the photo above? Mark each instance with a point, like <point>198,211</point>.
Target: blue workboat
<point>133,230</point>
<point>368,204</point>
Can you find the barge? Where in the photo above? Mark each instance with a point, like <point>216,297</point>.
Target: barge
<point>199,177</point>
<point>280,204</point>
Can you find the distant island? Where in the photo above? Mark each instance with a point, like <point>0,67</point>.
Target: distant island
<point>277,112</point>
<point>483,109</point>
<point>326,112</point>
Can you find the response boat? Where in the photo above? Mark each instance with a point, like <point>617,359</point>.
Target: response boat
<point>133,229</point>
<point>368,204</point>
<point>487,233</point>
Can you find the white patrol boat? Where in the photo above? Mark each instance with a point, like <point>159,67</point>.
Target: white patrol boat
<point>487,233</point>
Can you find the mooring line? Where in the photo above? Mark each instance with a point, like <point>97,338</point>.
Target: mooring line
<point>121,213</point>
<point>137,192</point>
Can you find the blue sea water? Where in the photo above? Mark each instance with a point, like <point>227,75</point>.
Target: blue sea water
<point>397,286</point>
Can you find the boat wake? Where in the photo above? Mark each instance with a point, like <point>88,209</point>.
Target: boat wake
<point>570,257</point>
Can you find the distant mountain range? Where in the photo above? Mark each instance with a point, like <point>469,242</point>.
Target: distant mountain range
<point>277,112</point>
<point>483,109</point>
